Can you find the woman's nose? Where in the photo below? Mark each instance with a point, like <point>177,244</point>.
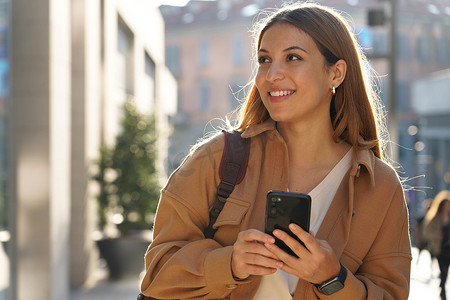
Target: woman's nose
<point>275,72</point>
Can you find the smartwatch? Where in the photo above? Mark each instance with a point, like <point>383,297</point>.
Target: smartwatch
<point>335,284</point>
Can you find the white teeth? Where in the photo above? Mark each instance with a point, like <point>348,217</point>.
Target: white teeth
<point>280,93</point>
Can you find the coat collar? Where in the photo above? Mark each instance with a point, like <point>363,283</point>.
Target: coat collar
<point>256,129</point>
<point>362,159</point>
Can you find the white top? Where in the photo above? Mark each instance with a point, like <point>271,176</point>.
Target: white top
<point>281,285</point>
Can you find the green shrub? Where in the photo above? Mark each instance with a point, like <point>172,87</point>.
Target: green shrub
<point>129,189</point>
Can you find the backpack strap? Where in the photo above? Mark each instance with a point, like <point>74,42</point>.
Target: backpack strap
<point>231,171</point>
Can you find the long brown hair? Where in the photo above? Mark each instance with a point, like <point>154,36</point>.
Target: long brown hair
<point>355,109</point>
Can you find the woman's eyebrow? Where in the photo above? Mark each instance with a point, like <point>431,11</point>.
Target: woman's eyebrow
<point>286,50</point>
<point>295,48</point>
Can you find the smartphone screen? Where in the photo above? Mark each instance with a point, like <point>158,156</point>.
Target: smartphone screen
<point>284,208</point>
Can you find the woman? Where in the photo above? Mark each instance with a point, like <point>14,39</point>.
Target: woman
<point>312,121</point>
<point>436,231</point>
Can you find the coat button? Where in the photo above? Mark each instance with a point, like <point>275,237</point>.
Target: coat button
<point>231,286</point>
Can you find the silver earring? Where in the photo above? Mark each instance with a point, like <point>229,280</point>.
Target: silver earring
<point>333,90</point>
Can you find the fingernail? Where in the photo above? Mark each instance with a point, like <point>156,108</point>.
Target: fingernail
<point>292,227</point>
<point>276,233</point>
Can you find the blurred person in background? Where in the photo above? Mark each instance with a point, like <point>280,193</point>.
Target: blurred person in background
<point>313,119</point>
<point>436,232</point>
<point>419,241</point>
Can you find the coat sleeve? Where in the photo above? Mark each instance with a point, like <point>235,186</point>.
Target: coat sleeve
<point>384,271</point>
<point>180,263</point>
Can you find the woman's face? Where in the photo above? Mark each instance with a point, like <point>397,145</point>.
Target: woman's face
<point>293,79</point>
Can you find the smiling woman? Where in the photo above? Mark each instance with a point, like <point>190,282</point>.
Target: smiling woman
<point>312,121</point>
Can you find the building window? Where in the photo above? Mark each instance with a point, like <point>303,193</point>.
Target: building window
<point>173,60</point>
<point>204,53</point>
<point>237,92</point>
<point>379,43</point>
<point>403,96</point>
<point>150,67</point>
<point>204,92</point>
<point>364,37</point>
<point>403,47</point>
<point>125,40</point>
<point>423,48</point>
<point>442,50</point>
<point>150,71</point>
<point>238,51</point>
<point>406,151</point>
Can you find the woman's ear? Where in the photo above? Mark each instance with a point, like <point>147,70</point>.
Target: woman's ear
<point>339,69</point>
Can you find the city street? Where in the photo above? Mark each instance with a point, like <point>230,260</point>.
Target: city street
<point>424,283</point>
<point>425,277</point>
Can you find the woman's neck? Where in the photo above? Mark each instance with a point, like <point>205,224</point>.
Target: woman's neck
<point>311,146</point>
<point>312,154</point>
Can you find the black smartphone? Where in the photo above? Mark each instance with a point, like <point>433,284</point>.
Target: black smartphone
<point>284,208</point>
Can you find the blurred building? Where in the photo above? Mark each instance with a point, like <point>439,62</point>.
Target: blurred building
<point>66,68</point>
<point>423,55</point>
<point>209,50</point>
<point>431,102</point>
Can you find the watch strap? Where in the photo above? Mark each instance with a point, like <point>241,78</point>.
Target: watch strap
<point>335,284</point>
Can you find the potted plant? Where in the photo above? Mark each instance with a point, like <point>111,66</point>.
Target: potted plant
<point>129,193</point>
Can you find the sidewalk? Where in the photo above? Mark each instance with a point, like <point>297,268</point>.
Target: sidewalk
<point>102,288</point>
<point>425,277</point>
<point>424,283</point>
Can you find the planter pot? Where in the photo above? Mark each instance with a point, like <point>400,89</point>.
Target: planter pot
<point>124,256</point>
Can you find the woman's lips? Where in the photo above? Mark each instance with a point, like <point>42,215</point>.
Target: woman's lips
<point>280,95</point>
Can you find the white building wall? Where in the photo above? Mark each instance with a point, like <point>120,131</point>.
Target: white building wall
<point>430,95</point>
<point>86,129</point>
<point>40,148</point>
<point>65,103</point>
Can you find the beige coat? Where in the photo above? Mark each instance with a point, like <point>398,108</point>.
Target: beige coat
<point>366,224</point>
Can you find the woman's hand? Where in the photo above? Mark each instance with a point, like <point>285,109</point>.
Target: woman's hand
<point>251,257</point>
<point>317,262</point>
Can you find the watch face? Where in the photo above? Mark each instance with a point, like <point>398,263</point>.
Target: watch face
<point>332,287</point>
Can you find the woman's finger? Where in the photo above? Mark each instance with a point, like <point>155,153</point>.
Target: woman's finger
<point>292,243</point>
<point>308,239</point>
<point>251,257</point>
<point>255,235</point>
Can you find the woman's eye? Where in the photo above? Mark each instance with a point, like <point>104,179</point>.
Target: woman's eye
<point>293,57</point>
<point>262,60</point>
